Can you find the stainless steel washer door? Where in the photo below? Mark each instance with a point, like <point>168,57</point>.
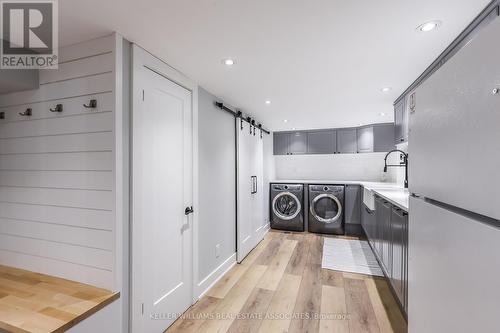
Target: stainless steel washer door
<point>286,206</point>
<point>326,208</point>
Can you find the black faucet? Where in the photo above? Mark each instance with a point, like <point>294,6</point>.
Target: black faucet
<point>404,163</point>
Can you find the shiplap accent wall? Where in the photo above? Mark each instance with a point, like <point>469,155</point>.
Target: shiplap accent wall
<point>57,170</point>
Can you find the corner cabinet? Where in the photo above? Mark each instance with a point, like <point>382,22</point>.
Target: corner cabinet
<point>352,204</point>
<point>387,231</point>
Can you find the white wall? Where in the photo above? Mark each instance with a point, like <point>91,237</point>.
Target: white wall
<point>64,176</point>
<point>57,199</point>
<point>363,167</point>
<point>217,190</point>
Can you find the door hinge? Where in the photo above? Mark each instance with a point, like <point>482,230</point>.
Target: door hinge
<point>142,308</point>
<point>143,94</point>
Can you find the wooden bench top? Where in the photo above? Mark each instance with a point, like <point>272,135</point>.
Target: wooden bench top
<point>37,303</point>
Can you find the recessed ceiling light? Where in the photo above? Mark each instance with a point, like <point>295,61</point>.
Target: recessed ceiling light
<point>293,128</point>
<point>268,102</point>
<point>285,121</point>
<point>382,114</point>
<point>228,62</point>
<point>429,26</point>
<point>385,89</point>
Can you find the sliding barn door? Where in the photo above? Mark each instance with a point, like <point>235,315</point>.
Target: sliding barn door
<point>251,225</point>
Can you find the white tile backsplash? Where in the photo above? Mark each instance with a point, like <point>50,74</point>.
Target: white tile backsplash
<point>363,167</point>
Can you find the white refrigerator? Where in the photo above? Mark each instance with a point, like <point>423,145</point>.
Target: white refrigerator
<point>454,227</point>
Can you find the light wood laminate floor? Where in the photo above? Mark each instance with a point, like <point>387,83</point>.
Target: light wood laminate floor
<point>281,287</point>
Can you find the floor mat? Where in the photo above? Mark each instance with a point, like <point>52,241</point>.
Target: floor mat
<point>348,255</point>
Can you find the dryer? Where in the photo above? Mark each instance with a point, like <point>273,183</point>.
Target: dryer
<point>326,209</point>
<point>287,207</point>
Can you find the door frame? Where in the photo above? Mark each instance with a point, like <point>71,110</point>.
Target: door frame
<point>143,59</point>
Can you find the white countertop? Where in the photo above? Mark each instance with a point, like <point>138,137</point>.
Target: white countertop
<point>392,192</point>
<point>399,197</point>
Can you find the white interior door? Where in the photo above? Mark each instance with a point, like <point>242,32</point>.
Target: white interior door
<point>250,229</point>
<point>162,189</point>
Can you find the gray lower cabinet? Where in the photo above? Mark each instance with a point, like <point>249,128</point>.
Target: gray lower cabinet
<point>368,222</point>
<point>298,143</point>
<point>347,141</point>
<point>382,243</point>
<point>281,143</point>
<point>399,230</point>
<point>387,233</point>
<point>352,204</point>
<point>322,142</point>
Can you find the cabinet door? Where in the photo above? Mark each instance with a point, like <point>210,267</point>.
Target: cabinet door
<point>383,138</point>
<point>298,143</point>
<point>281,143</point>
<point>399,111</point>
<point>347,141</point>
<point>377,228</point>
<point>386,238</point>
<point>405,260</point>
<point>352,204</point>
<point>398,253</point>
<point>368,222</point>
<point>322,142</point>
<point>365,139</point>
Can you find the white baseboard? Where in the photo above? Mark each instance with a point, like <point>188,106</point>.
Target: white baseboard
<point>212,278</point>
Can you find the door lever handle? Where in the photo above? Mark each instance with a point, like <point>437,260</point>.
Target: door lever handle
<point>188,210</point>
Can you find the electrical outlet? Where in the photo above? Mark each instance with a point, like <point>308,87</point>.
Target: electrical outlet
<point>217,251</point>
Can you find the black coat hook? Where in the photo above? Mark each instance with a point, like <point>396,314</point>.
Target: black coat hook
<point>26,113</point>
<point>2,115</point>
<point>92,104</point>
<point>58,108</point>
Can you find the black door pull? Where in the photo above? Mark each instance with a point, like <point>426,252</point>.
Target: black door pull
<point>188,210</point>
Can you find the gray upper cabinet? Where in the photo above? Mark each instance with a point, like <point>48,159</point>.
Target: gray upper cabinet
<point>281,142</point>
<point>347,141</point>
<point>383,138</point>
<point>322,142</point>
<point>365,139</point>
<point>401,122</point>
<point>352,204</point>
<point>298,143</point>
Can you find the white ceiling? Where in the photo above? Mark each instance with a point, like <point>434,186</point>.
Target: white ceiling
<point>321,62</point>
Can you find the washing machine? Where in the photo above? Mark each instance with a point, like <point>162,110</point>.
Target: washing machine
<point>326,209</point>
<point>287,207</point>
